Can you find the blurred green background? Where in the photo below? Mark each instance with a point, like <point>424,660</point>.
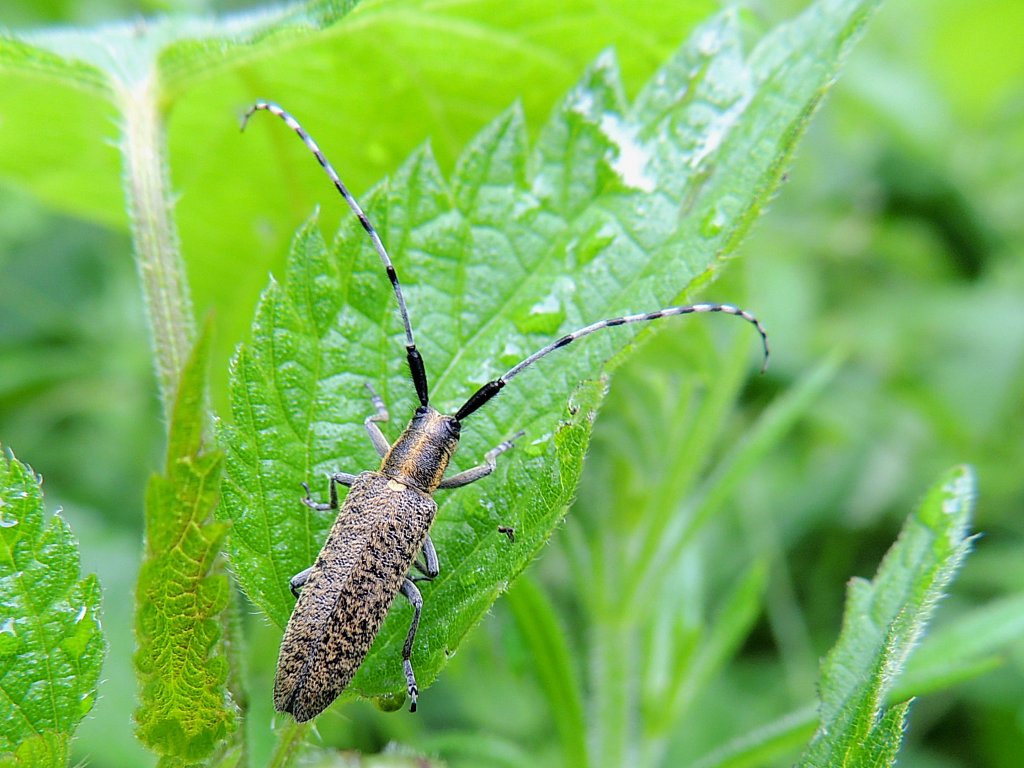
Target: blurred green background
<point>894,248</point>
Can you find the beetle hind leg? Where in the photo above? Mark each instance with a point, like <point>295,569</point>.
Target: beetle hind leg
<point>413,595</point>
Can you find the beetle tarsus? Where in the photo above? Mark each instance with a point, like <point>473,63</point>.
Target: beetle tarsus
<point>410,679</point>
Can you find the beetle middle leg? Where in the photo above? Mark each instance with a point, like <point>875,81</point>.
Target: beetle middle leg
<point>298,581</point>
<point>338,478</point>
<point>481,470</point>
<point>430,566</point>
<point>413,595</point>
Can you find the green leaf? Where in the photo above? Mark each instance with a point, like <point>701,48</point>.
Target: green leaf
<point>969,646</point>
<point>884,620</point>
<point>65,85</point>
<point>764,745</point>
<point>130,71</point>
<point>973,643</point>
<point>51,645</point>
<point>726,632</point>
<point>206,68</point>
<point>185,711</point>
<point>67,93</point>
<point>547,645</point>
<point>616,208</point>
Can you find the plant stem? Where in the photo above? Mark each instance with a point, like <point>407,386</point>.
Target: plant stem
<point>165,289</point>
<point>611,659</point>
<point>614,700</point>
<point>290,737</point>
<point>157,250</point>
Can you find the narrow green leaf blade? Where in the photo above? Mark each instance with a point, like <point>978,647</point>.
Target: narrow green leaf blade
<point>973,643</point>
<point>51,644</point>
<point>731,625</point>
<point>601,217</point>
<point>547,644</point>
<point>764,745</point>
<point>185,710</point>
<point>883,621</point>
<point>970,645</point>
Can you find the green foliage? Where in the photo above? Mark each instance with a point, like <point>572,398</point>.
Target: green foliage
<point>545,642</point>
<point>681,613</point>
<point>670,608</point>
<point>391,84</point>
<point>971,646</point>
<point>185,712</point>
<point>634,202</point>
<point>109,66</point>
<point>51,646</point>
<point>883,621</point>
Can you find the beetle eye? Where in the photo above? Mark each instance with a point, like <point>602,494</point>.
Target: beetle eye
<point>422,410</point>
<point>454,427</point>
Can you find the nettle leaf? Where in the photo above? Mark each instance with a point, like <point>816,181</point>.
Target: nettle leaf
<point>618,207</point>
<point>884,619</point>
<point>51,644</point>
<point>185,710</point>
<point>63,89</point>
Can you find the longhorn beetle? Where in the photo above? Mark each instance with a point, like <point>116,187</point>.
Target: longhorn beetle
<point>384,522</point>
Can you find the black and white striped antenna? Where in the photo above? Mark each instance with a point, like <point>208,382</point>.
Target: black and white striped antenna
<point>419,373</point>
<point>491,388</point>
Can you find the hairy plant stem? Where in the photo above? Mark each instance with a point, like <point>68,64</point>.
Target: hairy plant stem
<point>154,234</point>
<point>164,284</point>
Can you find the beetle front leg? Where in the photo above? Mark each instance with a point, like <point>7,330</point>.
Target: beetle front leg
<point>482,470</point>
<point>380,415</point>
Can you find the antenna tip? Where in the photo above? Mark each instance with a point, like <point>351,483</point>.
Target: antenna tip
<point>260,104</point>
<point>760,329</point>
<point>767,351</point>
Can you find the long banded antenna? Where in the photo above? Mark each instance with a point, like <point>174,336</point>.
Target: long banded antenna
<point>416,367</point>
<point>492,388</point>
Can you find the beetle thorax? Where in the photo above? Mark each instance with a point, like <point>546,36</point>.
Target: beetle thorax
<point>421,454</point>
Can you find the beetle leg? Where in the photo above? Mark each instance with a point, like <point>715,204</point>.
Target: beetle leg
<point>338,478</point>
<point>482,470</point>
<point>298,581</point>
<point>380,442</point>
<point>413,595</point>
<point>430,567</point>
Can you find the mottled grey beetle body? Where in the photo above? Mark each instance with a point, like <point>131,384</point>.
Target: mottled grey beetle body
<point>385,520</point>
<point>380,529</point>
